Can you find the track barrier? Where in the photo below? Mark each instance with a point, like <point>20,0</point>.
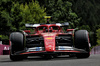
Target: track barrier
<point>95,50</point>
<point>4,49</point>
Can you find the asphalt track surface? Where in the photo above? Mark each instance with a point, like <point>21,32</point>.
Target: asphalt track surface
<point>93,60</point>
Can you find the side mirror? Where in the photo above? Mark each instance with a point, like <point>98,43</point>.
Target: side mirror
<point>27,31</point>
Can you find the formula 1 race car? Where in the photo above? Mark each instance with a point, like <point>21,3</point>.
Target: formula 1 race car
<point>49,40</point>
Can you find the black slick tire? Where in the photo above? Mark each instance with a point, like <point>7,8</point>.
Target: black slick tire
<point>82,42</point>
<point>17,44</point>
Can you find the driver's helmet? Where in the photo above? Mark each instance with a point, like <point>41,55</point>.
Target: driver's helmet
<point>44,29</point>
<point>51,29</point>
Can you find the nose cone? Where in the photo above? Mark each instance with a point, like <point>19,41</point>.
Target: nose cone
<point>49,44</point>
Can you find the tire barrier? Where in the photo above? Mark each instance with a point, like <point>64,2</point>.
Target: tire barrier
<point>95,50</point>
<point>4,49</point>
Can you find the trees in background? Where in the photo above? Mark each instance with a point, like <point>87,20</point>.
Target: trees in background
<point>89,11</point>
<point>26,13</point>
<point>19,14</point>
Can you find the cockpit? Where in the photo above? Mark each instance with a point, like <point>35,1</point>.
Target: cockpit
<point>48,28</point>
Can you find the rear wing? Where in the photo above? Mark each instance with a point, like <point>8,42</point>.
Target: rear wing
<point>31,25</point>
<point>63,24</point>
<point>36,25</point>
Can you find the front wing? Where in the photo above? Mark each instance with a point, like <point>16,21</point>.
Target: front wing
<point>41,50</point>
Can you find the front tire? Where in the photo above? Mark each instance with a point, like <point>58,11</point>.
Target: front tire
<point>17,44</point>
<point>82,42</point>
<point>16,57</point>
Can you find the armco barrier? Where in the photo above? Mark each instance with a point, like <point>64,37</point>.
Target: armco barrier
<point>95,50</point>
<point>4,49</point>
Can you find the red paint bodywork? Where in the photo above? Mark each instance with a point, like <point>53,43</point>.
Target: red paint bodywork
<point>70,29</point>
<point>49,42</point>
<point>49,38</point>
<point>27,31</point>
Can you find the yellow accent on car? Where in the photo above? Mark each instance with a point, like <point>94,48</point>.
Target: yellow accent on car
<point>49,38</point>
<point>50,48</point>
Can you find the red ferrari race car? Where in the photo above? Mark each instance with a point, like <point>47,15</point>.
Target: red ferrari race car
<point>48,41</point>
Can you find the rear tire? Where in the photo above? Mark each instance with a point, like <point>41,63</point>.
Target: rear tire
<point>82,42</point>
